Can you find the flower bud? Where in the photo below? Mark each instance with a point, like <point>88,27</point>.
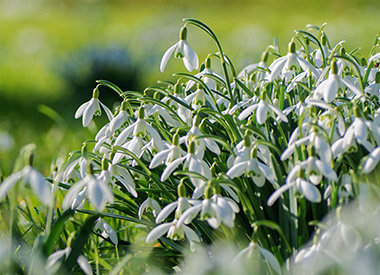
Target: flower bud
<point>311,151</point>
<point>124,105</point>
<point>175,140</point>
<point>209,191</point>
<point>254,152</point>
<point>377,77</point>
<point>323,39</point>
<point>191,149</point>
<point>177,89</point>
<point>264,56</point>
<point>141,113</point>
<point>208,63</point>
<point>247,140</point>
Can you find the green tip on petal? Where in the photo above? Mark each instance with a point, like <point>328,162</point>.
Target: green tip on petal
<point>183,33</point>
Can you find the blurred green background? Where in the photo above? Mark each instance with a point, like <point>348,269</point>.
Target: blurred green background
<point>52,51</point>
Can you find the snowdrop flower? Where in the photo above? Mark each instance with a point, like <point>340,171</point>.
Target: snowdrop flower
<point>248,252</point>
<point>181,50</point>
<point>56,256</point>
<point>374,88</point>
<point>199,99</point>
<point>262,109</point>
<point>179,205</point>
<point>174,232</point>
<point>121,117</point>
<point>328,89</point>
<point>247,163</point>
<point>283,66</point>
<point>89,109</point>
<point>106,230</point>
<point>168,155</point>
<point>318,53</point>
<point>296,179</point>
<point>157,109</point>
<point>211,83</point>
<point>151,205</point>
<point>214,209</point>
<point>252,67</point>
<point>30,175</point>
<point>97,192</point>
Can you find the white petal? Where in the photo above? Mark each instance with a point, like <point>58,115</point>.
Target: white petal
<point>271,259</point>
<point>117,121</point>
<point>237,169</point>
<point>88,113</point>
<point>171,167</point>
<point>323,149</point>
<point>247,112</point>
<point>166,211</point>
<point>111,233</point>
<point>190,57</point>
<point>261,112</point>
<point>166,56</point>
<point>81,109</point>
<point>157,232</point>
<point>276,67</point>
<point>98,194</point>
<point>326,170</point>
<point>72,194</point>
<point>84,265</point>
<point>8,183</point>
<point>331,88</point>
<point>40,186</point>
<point>360,130</point>
<point>212,145</point>
<point>276,194</point>
<point>142,208</point>
<point>159,158</point>
<point>310,192</point>
<point>189,214</point>
<point>108,111</point>
<point>371,161</point>
<point>125,134</point>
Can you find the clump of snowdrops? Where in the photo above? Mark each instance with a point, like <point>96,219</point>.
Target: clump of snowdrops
<point>257,157</point>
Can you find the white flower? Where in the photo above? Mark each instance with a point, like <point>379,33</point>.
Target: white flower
<point>211,83</point>
<point>89,109</point>
<point>106,231</point>
<point>283,66</point>
<point>151,205</point>
<point>180,205</point>
<point>181,50</point>
<point>175,232</point>
<point>262,108</point>
<point>120,118</point>
<point>97,192</point>
<point>248,252</point>
<point>30,175</point>
<point>56,256</point>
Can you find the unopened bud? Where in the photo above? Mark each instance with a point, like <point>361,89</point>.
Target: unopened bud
<point>183,33</point>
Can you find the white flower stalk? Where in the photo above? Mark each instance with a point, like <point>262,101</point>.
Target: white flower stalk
<point>210,82</point>
<point>181,50</point>
<point>28,174</point>
<point>285,65</point>
<point>248,252</point>
<point>120,118</point>
<point>174,232</point>
<point>149,204</point>
<point>246,163</point>
<point>106,231</point>
<point>262,109</point>
<point>64,253</point>
<point>89,109</point>
<point>97,192</point>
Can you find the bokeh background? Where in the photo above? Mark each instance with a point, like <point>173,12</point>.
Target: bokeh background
<point>52,51</point>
